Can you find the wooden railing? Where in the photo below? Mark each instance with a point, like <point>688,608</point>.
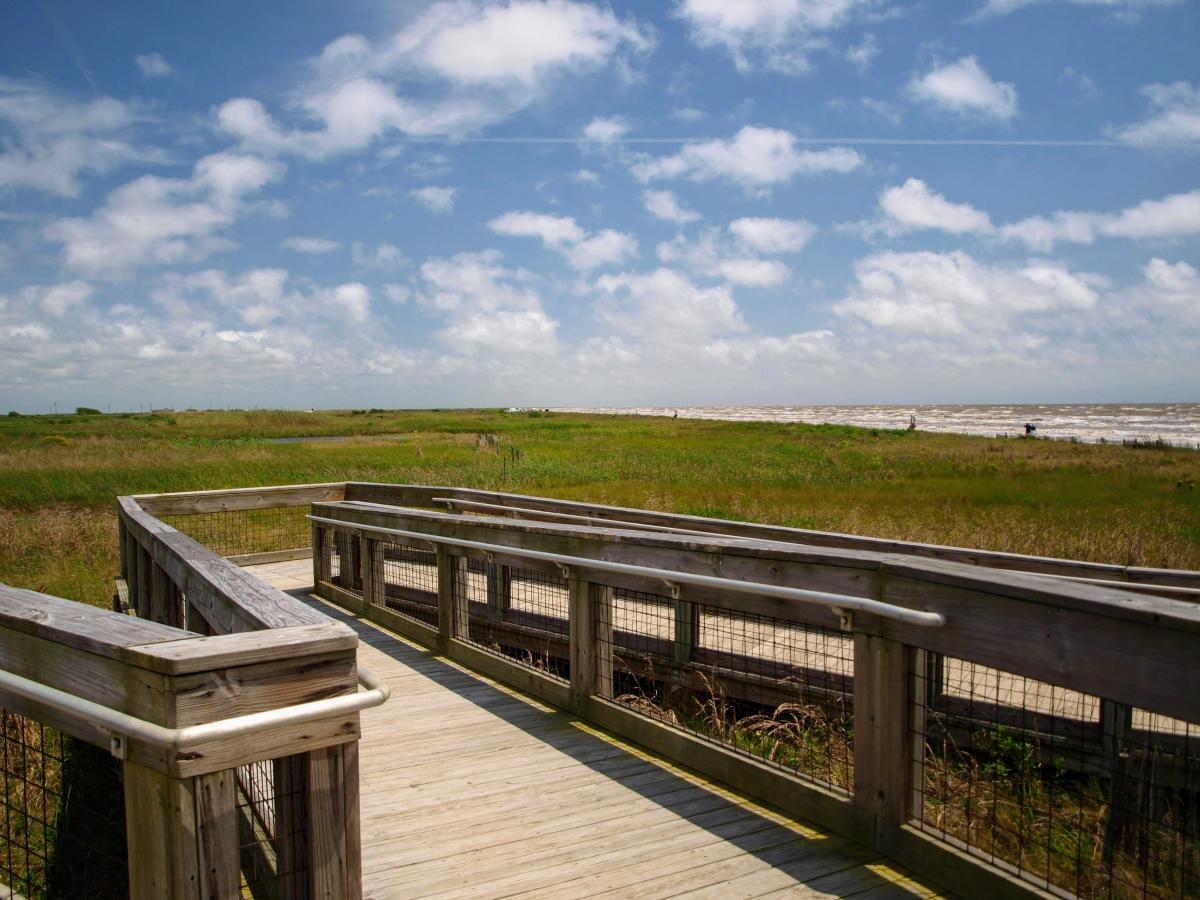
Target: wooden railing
<point>1071,683</point>
<point>1095,691</point>
<point>232,707</point>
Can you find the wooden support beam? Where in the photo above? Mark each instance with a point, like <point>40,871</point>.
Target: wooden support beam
<point>370,560</point>
<point>499,590</point>
<point>160,825</point>
<point>602,616</point>
<point>583,641</point>
<point>334,845</point>
<point>216,834</point>
<point>291,864</point>
<point>882,768</point>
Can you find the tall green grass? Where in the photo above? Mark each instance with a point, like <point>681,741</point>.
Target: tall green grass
<point>59,476</point>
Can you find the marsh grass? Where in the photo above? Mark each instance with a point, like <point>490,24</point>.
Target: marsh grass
<point>1106,503</point>
<point>1005,801</point>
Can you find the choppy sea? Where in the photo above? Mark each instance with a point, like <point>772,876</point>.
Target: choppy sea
<point>1175,423</point>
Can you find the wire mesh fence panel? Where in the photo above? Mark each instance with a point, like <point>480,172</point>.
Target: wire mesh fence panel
<point>406,581</point>
<point>63,833</point>
<point>247,531</point>
<point>773,689</point>
<point>1078,794</point>
<point>519,613</point>
<point>272,827</point>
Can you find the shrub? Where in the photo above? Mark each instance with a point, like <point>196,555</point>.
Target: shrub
<point>86,411</point>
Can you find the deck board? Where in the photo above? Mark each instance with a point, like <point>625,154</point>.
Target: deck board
<point>470,789</point>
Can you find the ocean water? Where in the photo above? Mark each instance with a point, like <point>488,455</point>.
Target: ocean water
<point>1175,423</point>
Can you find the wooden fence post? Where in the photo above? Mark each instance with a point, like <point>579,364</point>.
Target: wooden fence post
<point>882,768</point>
<point>334,843</point>
<point>602,596</point>
<point>372,586</point>
<point>182,835</point>
<point>499,590</point>
<point>583,640</point>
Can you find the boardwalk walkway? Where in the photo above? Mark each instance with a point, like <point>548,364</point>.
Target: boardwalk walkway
<point>470,789</point>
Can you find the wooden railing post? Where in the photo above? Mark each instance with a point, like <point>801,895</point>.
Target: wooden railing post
<point>583,640</point>
<point>882,768</point>
<point>453,614</point>
<point>181,833</point>
<point>499,590</point>
<point>602,613</point>
<point>372,587</point>
<point>334,843</point>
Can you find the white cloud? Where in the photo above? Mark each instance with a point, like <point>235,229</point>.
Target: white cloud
<point>397,293</point>
<point>773,236</point>
<point>524,41</point>
<point>952,294</point>
<point>586,176</point>
<point>604,131</point>
<point>53,139</point>
<point>862,54</point>
<point>668,306</point>
<point>314,246</point>
<point>552,230</point>
<point>490,308</point>
<point>155,221</point>
<point>605,248</point>
<point>154,65</point>
<point>1174,117</point>
<point>1176,215</point>
<point>665,205</point>
<point>777,34</point>
<point>353,300</point>
<point>437,199</point>
<point>964,88</point>
<point>57,300</point>
<point>382,256</point>
<point>711,257</point>
<point>754,157</point>
<point>1125,9</point>
<point>563,234</point>
<point>912,206</point>
<point>1171,292</point>
<point>469,64</point>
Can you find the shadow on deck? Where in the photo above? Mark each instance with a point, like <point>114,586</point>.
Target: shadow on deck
<point>472,789</point>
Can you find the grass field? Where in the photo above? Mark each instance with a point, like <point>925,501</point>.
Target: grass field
<point>59,476</point>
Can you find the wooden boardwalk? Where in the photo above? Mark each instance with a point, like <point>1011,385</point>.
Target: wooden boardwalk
<point>470,789</point>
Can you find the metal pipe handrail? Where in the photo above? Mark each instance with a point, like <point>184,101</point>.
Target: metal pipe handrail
<point>121,725</point>
<point>840,603</point>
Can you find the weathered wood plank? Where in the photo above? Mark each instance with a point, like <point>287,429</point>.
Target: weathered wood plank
<point>160,822</point>
<point>216,835</point>
<point>232,499</point>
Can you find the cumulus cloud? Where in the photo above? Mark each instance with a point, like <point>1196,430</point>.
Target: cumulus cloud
<point>492,308</point>
<point>48,140</point>
<point>964,88</point>
<point>772,235</point>
<point>157,221</point>
<point>1169,291</point>
<point>313,246</point>
<point>952,294</point>
<point>56,300</point>
<point>754,157</point>
<point>564,235</point>
<point>454,68</point>
<point>381,256</point>
<point>153,65</point>
<point>1174,117</point>
<point>436,199</point>
<point>711,256</point>
<point>666,206</point>
<point>912,206</point>
<point>604,131</point>
<point>774,34</point>
<point>1176,215</point>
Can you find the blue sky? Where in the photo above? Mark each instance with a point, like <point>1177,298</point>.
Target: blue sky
<point>558,202</point>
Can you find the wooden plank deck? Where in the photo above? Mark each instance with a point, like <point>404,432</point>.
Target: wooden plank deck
<point>470,789</point>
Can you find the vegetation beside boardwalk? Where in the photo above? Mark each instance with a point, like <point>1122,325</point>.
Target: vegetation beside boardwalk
<point>60,475</point>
